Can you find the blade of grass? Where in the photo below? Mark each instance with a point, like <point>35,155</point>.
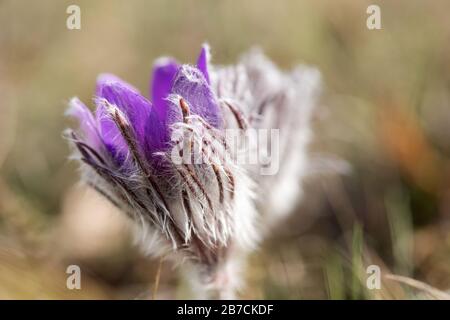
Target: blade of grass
<point>157,278</point>
<point>401,229</point>
<point>357,263</point>
<point>435,293</point>
<point>334,276</point>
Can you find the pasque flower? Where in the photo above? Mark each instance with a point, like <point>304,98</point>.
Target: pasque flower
<point>205,212</point>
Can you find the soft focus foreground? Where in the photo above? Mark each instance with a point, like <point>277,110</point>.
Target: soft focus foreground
<point>385,110</point>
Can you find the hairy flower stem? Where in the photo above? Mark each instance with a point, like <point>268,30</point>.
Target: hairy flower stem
<point>218,282</point>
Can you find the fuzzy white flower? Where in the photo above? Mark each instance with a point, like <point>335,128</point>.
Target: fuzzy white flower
<point>172,168</point>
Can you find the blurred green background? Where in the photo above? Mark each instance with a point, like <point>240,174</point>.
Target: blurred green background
<point>385,110</point>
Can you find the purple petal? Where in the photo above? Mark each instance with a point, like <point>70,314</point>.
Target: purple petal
<point>110,134</point>
<point>88,126</point>
<point>164,71</point>
<point>108,78</point>
<point>135,107</point>
<point>203,61</point>
<point>157,138</point>
<point>190,84</point>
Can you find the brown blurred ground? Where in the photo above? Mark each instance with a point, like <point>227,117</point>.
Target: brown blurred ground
<point>385,109</point>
